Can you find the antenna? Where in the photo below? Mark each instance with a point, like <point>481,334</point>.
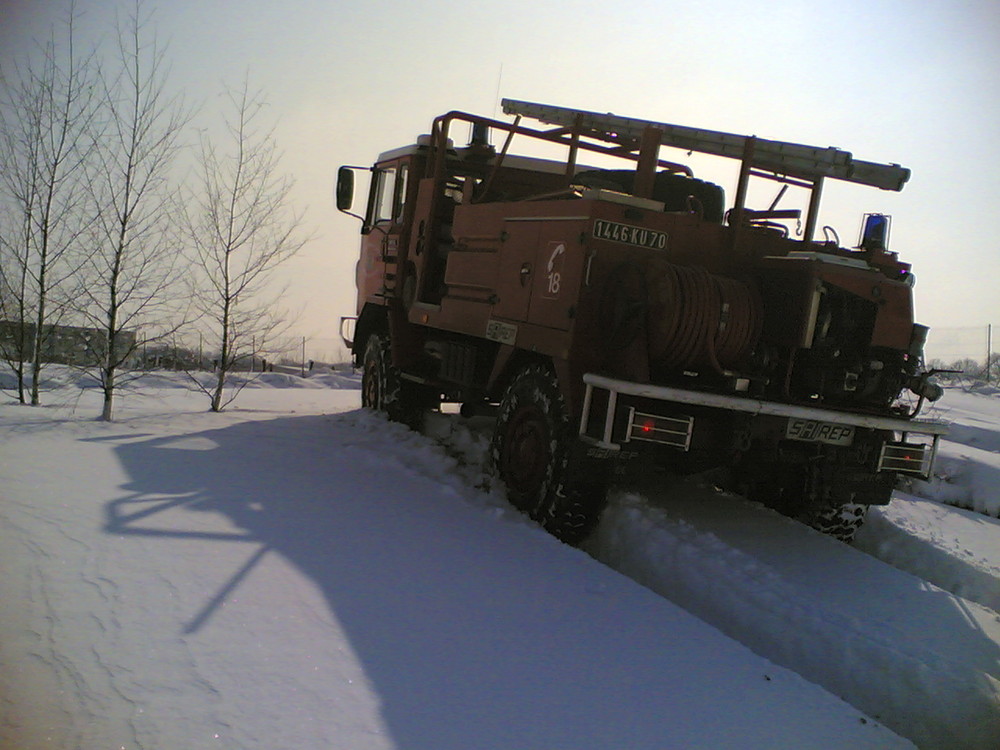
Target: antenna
<point>496,99</point>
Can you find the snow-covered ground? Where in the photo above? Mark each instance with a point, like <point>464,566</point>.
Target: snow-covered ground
<point>298,572</point>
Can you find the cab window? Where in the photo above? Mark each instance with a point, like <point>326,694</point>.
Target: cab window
<point>400,200</point>
<point>385,195</point>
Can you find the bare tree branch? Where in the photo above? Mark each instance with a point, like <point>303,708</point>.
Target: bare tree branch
<point>241,229</point>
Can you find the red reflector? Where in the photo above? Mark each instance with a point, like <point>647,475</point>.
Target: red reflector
<point>647,426</point>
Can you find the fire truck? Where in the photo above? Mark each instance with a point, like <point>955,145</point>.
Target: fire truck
<point>614,312</point>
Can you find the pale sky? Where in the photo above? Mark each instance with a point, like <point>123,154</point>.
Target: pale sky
<point>903,82</point>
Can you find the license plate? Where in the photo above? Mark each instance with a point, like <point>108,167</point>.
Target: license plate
<point>813,431</point>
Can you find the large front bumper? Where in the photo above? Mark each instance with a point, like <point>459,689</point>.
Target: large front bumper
<point>902,456</point>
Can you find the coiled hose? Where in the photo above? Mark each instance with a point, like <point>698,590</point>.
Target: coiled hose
<point>697,319</point>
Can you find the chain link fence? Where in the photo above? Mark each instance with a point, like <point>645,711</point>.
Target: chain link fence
<point>292,354</point>
<point>971,349</point>
<point>311,353</point>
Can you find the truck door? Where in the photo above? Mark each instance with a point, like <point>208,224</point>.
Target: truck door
<point>540,272</point>
<point>385,230</point>
<point>517,269</point>
<point>558,274</point>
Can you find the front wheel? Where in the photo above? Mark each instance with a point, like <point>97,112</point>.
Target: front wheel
<point>531,452</point>
<point>383,388</point>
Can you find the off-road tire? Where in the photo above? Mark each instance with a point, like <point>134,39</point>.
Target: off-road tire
<point>531,453</point>
<point>794,492</point>
<point>839,521</point>
<point>382,387</point>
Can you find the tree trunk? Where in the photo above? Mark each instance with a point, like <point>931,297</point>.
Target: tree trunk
<point>107,412</point>
<point>110,363</point>
<point>219,385</point>
<point>21,342</point>
<point>36,354</point>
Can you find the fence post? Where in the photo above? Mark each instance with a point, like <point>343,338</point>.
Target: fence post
<point>989,350</point>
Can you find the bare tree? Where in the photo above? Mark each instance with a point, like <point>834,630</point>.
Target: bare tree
<point>241,228</point>
<point>19,144</point>
<point>131,278</point>
<point>14,311</point>
<point>46,138</point>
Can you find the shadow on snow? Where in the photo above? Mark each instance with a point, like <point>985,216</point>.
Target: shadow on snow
<point>467,627</point>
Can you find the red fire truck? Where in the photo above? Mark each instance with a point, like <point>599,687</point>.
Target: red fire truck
<point>623,315</point>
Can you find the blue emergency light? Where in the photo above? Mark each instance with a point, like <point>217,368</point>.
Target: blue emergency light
<point>875,232</point>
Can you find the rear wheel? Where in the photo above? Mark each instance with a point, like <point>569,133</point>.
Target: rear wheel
<point>531,452</point>
<point>803,490</point>
<point>839,521</point>
<point>844,513</point>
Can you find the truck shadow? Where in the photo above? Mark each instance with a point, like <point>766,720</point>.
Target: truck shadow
<point>449,611</point>
<point>453,633</point>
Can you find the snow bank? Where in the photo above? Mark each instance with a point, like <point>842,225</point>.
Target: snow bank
<point>952,548</point>
<point>343,379</point>
<point>295,572</point>
<point>57,377</point>
<point>53,377</point>
<point>967,473</point>
<point>922,660</point>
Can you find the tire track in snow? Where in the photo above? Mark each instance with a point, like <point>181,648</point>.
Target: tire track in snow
<point>70,635</point>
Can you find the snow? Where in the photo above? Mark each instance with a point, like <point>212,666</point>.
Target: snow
<point>834,615</point>
<point>952,548</point>
<point>968,473</point>
<point>298,572</point>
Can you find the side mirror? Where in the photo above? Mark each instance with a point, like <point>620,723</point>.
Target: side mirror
<point>345,189</point>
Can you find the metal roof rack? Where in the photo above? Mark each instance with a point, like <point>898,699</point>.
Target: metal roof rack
<point>782,159</point>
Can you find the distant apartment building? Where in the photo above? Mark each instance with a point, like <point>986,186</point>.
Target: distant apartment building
<point>68,345</point>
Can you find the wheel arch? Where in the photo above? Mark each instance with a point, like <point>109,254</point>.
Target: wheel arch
<point>511,361</point>
<point>373,319</point>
